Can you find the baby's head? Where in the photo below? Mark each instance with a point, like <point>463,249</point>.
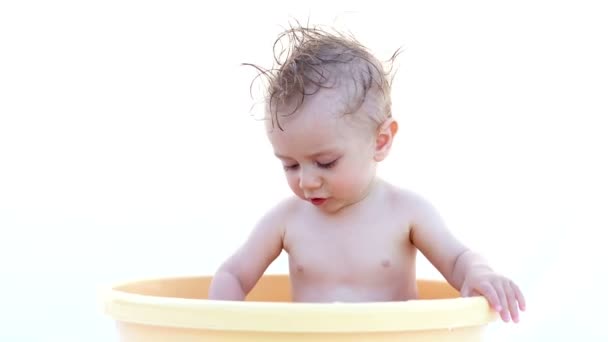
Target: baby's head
<point>310,60</point>
<point>329,119</point>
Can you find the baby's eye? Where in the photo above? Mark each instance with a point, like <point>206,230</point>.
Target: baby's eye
<point>327,165</point>
<point>290,167</point>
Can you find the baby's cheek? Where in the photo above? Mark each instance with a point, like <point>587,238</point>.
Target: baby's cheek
<point>348,184</point>
<point>360,178</point>
<point>294,184</point>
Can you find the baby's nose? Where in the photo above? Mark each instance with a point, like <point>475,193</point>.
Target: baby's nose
<point>309,179</point>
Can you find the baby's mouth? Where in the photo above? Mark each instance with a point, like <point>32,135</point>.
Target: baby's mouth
<point>318,201</point>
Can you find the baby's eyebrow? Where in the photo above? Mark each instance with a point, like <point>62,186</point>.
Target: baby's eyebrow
<point>312,156</point>
<point>281,156</point>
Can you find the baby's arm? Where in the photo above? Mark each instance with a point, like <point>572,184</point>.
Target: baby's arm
<point>242,270</point>
<point>462,268</point>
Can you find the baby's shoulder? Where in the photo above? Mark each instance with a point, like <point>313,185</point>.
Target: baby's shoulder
<point>286,207</point>
<point>275,219</point>
<point>400,195</point>
<point>405,200</point>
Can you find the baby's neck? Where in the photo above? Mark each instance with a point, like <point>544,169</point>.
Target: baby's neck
<point>374,190</point>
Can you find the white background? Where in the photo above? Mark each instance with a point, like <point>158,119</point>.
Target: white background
<point>128,146</point>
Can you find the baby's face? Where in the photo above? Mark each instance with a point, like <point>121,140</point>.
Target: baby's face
<point>328,158</point>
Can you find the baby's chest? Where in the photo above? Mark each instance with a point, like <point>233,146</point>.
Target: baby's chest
<point>349,252</point>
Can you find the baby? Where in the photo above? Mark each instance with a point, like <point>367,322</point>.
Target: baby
<point>350,236</point>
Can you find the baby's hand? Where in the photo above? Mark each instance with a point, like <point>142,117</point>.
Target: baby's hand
<point>502,293</point>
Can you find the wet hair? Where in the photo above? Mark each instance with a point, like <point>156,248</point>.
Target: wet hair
<point>308,59</point>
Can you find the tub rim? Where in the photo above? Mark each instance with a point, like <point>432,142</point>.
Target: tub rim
<point>290,317</point>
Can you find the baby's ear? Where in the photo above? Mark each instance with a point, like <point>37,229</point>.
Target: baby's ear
<point>384,138</point>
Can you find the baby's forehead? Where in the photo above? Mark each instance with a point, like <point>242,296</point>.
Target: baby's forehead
<point>309,135</point>
<point>309,131</point>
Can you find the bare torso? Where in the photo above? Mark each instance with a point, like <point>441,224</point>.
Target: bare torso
<point>365,255</point>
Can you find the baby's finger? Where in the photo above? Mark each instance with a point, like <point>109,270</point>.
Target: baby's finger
<point>488,291</point>
<point>465,291</point>
<point>512,301</point>
<point>500,292</point>
<point>520,296</point>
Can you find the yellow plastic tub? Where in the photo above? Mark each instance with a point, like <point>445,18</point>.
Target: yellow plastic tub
<point>176,310</point>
